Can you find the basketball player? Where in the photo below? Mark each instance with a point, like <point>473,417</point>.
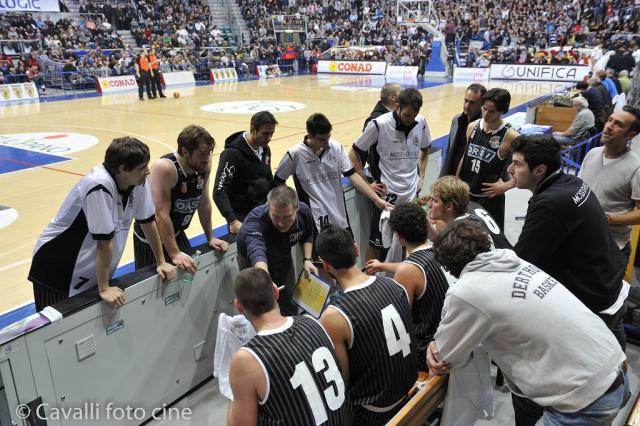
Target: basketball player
<point>487,153</point>
<point>449,202</point>
<point>82,247</point>
<point>288,374</point>
<point>369,322</point>
<point>402,139</point>
<point>420,274</point>
<point>178,181</point>
<point>317,165</point>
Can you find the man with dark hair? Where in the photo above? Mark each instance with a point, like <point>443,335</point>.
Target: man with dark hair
<point>154,76</point>
<point>143,73</point>
<point>612,171</point>
<point>597,104</point>
<point>487,154</point>
<point>529,323</point>
<point>566,234</point>
<point>81,248</point>
<point>401,139</point>
<point>369,322</point>
<point>388,103</point>
<point>266,238</point>
<point>244,175</point>
<point>317,165</point>
<point>269,388</point>
<point>458,132</point>
<point>419,274</point>
<point>178,181</point>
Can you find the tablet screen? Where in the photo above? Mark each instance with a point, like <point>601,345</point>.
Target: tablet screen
<point>311,293</point>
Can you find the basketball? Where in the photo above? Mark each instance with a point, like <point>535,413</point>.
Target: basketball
<point>176,95</point>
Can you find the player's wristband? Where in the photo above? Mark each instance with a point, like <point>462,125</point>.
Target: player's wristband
<point>304,259</point>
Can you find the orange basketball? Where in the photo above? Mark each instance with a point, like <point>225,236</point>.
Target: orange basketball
<point>176,95</point>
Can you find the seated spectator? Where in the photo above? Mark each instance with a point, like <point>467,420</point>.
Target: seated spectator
<point>625,82</point>
<point>597,104</point>
<point>581,125</point>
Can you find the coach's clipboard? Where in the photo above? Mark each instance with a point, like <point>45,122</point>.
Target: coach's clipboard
<point>311,293</point>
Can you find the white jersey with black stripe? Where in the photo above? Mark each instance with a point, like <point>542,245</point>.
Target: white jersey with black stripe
<point>318,180</point>
<point>64,257</point>
<point>399,152</point>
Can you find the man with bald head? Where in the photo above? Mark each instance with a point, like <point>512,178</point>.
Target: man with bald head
<point>457,133</point>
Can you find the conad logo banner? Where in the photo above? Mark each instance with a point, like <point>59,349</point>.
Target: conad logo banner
<point>539,72</point>
<point>18,92</point>
<point>121,83</point>
<point>352,67</point>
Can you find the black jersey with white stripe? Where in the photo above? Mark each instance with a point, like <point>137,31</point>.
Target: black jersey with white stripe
<point>427,307</point>
<point>64,258</point>
<point>185,197</point>
<point>304,383</point>
<point>382,351</point>
<point>477,214</point>
<point>481,162</point>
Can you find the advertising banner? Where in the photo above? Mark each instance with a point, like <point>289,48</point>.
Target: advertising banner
<point>539,72</point>
<point>352,67</point>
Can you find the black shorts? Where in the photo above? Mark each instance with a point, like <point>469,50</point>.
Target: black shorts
<point>143,254</point>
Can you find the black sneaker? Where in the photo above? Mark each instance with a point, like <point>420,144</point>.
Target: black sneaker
<point>142,99</point>
<point>162,95</point>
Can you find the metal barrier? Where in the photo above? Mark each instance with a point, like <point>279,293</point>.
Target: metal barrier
<point>573,156</point>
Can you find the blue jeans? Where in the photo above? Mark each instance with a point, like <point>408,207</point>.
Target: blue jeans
<point>602,411</point>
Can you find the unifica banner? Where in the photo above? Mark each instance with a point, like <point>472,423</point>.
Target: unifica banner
<point>402,72</point>
<point>352,67</point>
<point>539,72</point>
<point>470,74</point>
<point>123,83</point>
<point>29,6</point>
<point>18,92</point>
<point>177,78</point>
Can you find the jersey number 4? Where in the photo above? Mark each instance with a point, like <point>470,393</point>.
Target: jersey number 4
<point>323,362</point>
<point>398,340</point>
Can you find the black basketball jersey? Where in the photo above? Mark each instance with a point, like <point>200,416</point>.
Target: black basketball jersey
<point>382,352</point>
<point>185,197</point>
<point>427,307</point>
<point>481,163</point>
<point>304,383</point>
<point>477,214</point>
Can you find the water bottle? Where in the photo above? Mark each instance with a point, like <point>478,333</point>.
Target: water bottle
<point>187,277</point>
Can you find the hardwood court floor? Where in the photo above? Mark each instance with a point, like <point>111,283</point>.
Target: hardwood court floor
<point>36,192</point>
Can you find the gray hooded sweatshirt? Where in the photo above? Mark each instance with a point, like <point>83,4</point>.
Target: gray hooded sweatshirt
<point>551,348</point>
